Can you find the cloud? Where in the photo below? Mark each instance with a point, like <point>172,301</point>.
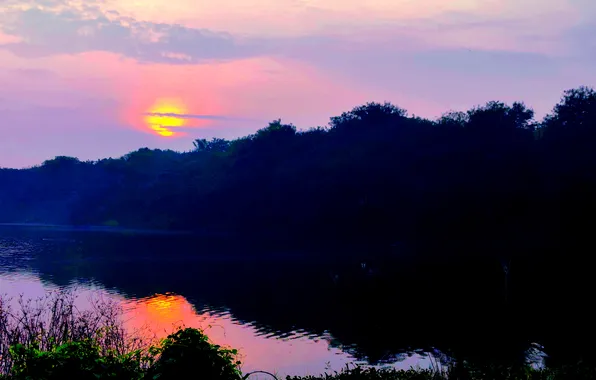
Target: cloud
<point>169,128</point>
<point>33,74</point>
<point>475,52</point>
<point>50,27</point>
<point>229,132</point>
<point>388,62</point>
<point>581,42</point>
<point>201,117</point>
<point>476,63</point>
<point>60,28</point>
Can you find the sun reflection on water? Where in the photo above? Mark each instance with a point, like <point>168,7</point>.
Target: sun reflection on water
<point>154,317</point>
<point>161,314</point>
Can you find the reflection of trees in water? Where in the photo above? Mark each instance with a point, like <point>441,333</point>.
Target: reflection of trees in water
<point>277,298</point>
<point>378,310</point>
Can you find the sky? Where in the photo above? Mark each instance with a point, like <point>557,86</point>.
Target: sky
<point>100,78</point>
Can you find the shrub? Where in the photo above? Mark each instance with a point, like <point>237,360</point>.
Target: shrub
<point>52,321</point>
<point>77,360</point>
<point>188,353</point>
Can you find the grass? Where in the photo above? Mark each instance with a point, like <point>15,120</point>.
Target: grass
<point>464,373</point>
<point>51,339</point>
<point>54,320</point>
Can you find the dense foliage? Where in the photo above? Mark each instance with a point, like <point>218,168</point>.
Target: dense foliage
<point>491,173</point>
<point>187,353</point>
<point>81,360</point>
<point>50,338</point>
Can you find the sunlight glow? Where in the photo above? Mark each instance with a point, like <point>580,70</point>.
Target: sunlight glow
<point>167,309</point>
<point>153,318</point>
<point>163,124</point>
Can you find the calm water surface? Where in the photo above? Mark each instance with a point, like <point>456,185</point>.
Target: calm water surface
<point>163,283</point>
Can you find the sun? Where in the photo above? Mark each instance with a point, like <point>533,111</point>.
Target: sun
<point>161,116</point>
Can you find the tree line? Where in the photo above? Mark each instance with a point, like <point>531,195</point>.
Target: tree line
<point>373,172</point>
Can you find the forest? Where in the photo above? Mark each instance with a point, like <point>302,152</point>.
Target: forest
<point>492,173</point>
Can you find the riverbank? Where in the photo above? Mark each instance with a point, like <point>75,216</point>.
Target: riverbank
<point>51,339</point>
<point>188,354</point>
<point>469,373</point>
<point>91,228</point>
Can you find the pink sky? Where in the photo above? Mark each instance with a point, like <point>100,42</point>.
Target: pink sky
<point>77,77</point>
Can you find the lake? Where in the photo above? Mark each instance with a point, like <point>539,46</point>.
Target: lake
<point>275,306</point>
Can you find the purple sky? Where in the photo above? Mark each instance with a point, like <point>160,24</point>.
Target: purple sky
<point>79,77</point>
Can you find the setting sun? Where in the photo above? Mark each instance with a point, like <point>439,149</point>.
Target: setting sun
<point>162,116</point>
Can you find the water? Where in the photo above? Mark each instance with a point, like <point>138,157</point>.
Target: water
<point>265,304</point>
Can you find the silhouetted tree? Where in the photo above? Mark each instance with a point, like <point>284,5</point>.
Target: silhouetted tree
<point>574,117</point>
<point>217,145</point>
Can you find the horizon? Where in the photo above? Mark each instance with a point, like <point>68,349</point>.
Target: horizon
<point>191,149</point>
<point>97,79</point>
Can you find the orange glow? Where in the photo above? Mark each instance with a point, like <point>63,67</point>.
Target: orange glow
<point>157,316</point>
<point>163,124</point>
<point>165,310</point>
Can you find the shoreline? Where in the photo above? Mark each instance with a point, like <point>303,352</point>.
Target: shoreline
<point>94,228</point>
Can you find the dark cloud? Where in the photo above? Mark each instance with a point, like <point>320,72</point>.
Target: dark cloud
<point>201,117</point>
<point>74,30</point>
<point>221,130</point>
<point>63,28</point>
